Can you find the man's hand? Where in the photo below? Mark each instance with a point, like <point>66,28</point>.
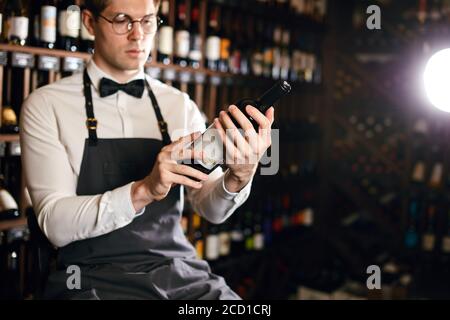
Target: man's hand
<point>167,172</point>
<point>244,151</point>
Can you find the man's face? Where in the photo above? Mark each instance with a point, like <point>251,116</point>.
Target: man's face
<point>126,51</point>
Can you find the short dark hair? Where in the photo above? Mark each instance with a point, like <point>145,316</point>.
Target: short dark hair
<point>97,6</point>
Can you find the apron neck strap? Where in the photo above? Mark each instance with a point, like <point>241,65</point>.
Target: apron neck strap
<point>91,121</point>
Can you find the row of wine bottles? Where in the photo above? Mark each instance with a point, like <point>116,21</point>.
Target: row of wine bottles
<point>45,23</point>
<point>251,228</point>
<point>236,43</point>
<point>427,223</point>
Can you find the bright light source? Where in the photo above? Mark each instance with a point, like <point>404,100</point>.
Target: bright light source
<point>437,80</point>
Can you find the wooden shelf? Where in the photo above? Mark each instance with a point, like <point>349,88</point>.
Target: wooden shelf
<point>44,51</point>
<point>9,224</point>
<point>247,79</point>
<point>9,137</point>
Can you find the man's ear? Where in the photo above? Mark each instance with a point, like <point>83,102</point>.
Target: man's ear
<point>88,21</point>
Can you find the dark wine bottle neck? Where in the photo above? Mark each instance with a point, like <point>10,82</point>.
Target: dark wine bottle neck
<point>272,95</point>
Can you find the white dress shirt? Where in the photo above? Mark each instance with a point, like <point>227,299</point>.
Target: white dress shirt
<point>52,136</point>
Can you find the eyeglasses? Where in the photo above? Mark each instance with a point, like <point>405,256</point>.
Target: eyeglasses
<point>123,24</point>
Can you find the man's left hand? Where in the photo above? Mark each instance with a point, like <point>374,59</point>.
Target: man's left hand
<point>243,151</point>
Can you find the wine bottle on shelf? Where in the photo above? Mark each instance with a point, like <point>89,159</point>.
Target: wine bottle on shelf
<point>212,250</point>
<point>224,240</point>
<point>258,235</point>
<point>225,41</point>
<point>237,244</point>
<point>210,143</point>
<point>198,241</point>
<point>429,236</point>
<point>213,39</point>
<point>236,45</point>
<point>276,53</point>
<point>268,50</point>
<point>182,36</point>
<point>165,35</point>
<point>258,53</point>
<point>195,47</point>
<point>69,25</point>
<point>437,168</point>
<point>446,237</point>
<point>34,27</point>
<point>285,55</point>
<point>48,24</point>
<point>248,231</point>
<point>18,22</point>
<point>8,206</point>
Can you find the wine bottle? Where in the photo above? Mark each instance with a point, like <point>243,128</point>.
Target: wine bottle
<point>182,36</point>
<point>198,241</point>
<point>210,142</point>
<point>48,24</point>
<point>429,237</point>
<point>225,42</point>
<point>446,237</point>
<point>8,206</point>
<point>18,22</point>
<point>195,47</point>
<point>212,243</point>
<point>69,25</point>
<point>224,240</point>
<point>213,40</point>
<point>165,35</point>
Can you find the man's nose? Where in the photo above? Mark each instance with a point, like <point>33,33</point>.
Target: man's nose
<point>136,32</point>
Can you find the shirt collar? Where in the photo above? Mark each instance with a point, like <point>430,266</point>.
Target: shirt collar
<point>96,74</point>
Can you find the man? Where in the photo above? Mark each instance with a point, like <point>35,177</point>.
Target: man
<point>104,175</point>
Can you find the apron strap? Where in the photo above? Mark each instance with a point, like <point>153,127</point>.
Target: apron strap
<point>91,121</point>
<point>161,122</point>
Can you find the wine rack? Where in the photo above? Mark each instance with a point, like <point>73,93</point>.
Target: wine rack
<point>256,226</point>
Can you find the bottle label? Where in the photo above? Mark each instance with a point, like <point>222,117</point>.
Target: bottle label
<point>224,243</point>
<point>85,35</point>
<point>212,247</point>
<point>165,40</point>
<point>225,48</point>
<point>258,241</point>
<point>7,202</point>
<point>48,24</point>
<point>182,43</point>
<point>211,145</point>
<point>69,23</point>
<point>213,48</point>
<point>199,248</point>
<point>36,26</point>
<point>257,63</point>
<point>18,27</point>
<point>428,241</point>
<point>196,44</point>
<point>436,175</point>
<point>446,244</point>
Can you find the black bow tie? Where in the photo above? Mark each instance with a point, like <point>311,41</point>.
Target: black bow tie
<point>134,88</point>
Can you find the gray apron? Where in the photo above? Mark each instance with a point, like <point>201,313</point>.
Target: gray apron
<point>150,258</point>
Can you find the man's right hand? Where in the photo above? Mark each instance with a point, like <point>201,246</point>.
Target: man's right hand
<point>167,172</point>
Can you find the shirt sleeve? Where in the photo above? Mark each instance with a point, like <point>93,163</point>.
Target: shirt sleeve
<point>63,216</point>
<point>213,201</point>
